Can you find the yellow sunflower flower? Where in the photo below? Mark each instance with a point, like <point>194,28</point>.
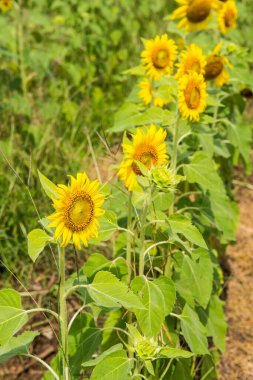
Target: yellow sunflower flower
<point>227,16</point>
<point>148,147</point>
<point>159,56</point>
<point>192,96</point>
<point>76,211</point>
<point>5,5</point>
<point>215,67</point>
<point>191,60</point>
<point>194,14</point>
<point>146,94</point>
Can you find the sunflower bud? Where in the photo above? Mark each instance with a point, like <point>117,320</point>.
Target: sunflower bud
<point>165,177</point>
<point>146,348</point>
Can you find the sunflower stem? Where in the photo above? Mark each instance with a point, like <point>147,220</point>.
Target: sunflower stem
<point>175,144</point>
<point>63,315</point>
<point>129,238</point>
<point>142,237</point>
<point>174,152</point>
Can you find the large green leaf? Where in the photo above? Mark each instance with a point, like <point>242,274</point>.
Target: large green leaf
<point>12,314</point>
<point>226,215</point>
<point>94,362</point>
<point>95,263</point>
<point>216,324</point>
<point>240,135</point>
<point>37,240</point>
<point>17,345</point>
<point>84,339</point>
<point>151,319</point>
<point>201,170</point>
<point>108,291</point>
<point>115,366</point>
<point>49,187</point>
<point>193,331</point>
<point>168,290</point>
<point>182,225</point>
<point>196,278</point>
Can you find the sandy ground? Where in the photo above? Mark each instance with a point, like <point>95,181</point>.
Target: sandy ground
<point>237,364</point>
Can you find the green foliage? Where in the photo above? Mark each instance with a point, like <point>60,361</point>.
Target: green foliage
<point>17,345</point>
<point>149,290</point>
<point>37,240</point>
<point>12,314</point>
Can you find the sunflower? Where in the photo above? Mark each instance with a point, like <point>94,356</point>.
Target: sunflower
<point>194,14</point>
<point>215,67</point>
<point>159,56</point>
<point>77,208</point>
<point>192,96</point>
<point>146,95</point>
<point>148,147</point>
<point>227,16</point>
<point>5,5</point>
<point>192,59</point>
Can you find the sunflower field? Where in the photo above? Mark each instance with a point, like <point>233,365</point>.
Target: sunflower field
<point>122,126</point>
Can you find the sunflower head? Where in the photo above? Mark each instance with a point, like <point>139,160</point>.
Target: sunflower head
<point>159,56</point>
<point>192,96</point>
<point>227,16</point>
<point>215,67</point>
<point>194,14</point>
<point>147,147</point>
<point>5,5</point>
<point>147,94</point>
<point>76,211</point>
<point>191,60</point>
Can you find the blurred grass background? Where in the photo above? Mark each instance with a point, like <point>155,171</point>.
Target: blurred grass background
<point>61,65</point>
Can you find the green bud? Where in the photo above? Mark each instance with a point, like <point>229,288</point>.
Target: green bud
<point>146,348</point>
<point>165,177</point>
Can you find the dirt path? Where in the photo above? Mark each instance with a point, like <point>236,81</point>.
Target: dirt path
<point>237,363</point>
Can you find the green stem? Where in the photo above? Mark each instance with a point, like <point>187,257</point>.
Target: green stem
<point>166,369</point>
<point>63,315</point>
<point>175,145</point>
<point>129,239</point>
<point>174,154</point>
<point>142,238</point>
<point>44,364</point>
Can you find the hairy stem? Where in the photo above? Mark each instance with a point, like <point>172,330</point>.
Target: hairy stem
<point>63,315</point>
<point>142,239</point>
<point>129,239</point>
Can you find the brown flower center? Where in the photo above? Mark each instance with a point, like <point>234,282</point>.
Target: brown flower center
<point>147,155</point>
<point>161,59</point>
<point>198,11</point>
<point>79,212</point>
<point>213,67</point>
<point>192,96</point>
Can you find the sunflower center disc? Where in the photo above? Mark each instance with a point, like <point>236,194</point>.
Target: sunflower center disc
<point>213,67</point>
<point>198,11</point>
<point>192,97</point>
<point>147,157</point>
<point>80,212</point>
<point>161,59</point>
